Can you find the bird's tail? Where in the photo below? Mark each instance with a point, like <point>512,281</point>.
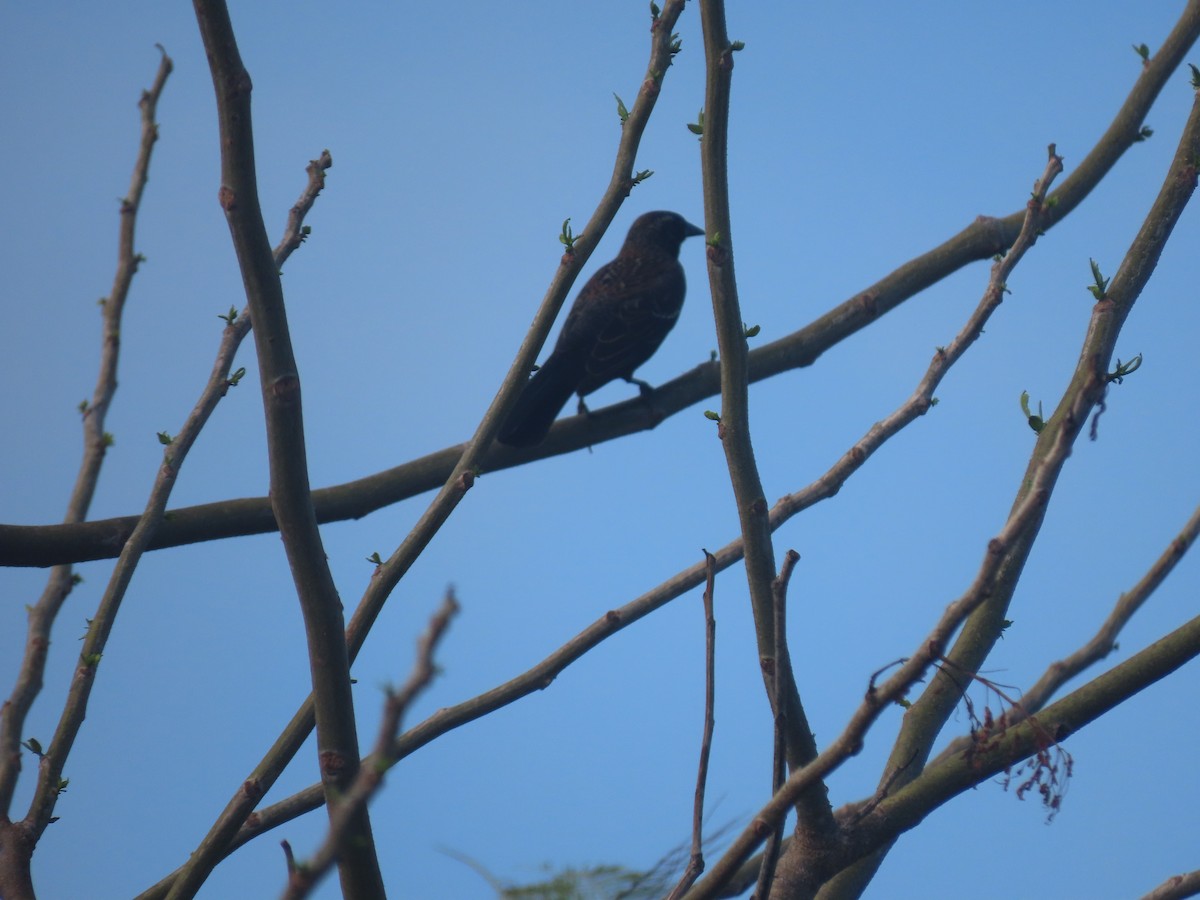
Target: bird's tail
<point>544,396</point>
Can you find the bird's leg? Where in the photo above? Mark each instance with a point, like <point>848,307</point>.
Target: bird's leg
<point>582,409</point>
<point>645,389</point>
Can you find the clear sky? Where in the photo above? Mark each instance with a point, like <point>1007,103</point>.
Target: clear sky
<point>462,135</point>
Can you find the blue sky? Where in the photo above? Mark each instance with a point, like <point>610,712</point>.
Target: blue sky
<point>461,138</point>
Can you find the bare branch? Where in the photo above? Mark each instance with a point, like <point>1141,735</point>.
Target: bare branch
<point>545,672</point>
<point>783,662</point>
<point>304,876</point>
<point>696,861</point>
<point>461,477</point>
<point>291,500</point>
<point>18,840</point>
<point>1177,887</point>
<point>1105,640</point>
<point>44,545</point>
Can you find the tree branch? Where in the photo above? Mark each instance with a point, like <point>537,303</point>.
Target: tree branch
<point>291,501</point>
<point>17,841</point>
<point>45,545</point>
<point>461,475</point>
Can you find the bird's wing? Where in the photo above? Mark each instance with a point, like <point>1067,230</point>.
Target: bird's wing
<point>636,325</point>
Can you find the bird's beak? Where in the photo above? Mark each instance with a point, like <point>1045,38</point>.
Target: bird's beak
<point>691,230</point>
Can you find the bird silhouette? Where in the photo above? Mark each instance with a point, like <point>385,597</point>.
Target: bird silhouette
<point>619,319</point>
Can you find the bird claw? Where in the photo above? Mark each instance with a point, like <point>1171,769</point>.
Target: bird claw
<point>645,389</point>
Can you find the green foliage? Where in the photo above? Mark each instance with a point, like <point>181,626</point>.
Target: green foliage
<point>567,238</point>
<point>1124,369</point>
<point>595,883</point>
<point>622,112</point>
<point>1100,284</point>
<point>1037,423</point>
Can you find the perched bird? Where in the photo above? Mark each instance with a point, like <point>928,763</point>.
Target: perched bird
<point>617,322</point>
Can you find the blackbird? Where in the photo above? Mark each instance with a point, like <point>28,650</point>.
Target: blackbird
<point>617,322</point>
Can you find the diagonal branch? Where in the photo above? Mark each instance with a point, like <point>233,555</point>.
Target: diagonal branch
<point>1089,384</point>
<point>17,841</point>
<point>541,675</point>
<point>218,842</point>
<point>734,426</point>
<point>291,501</point>
<point>1103,642</point>
<point>303,877</point>
<point>44,545</point>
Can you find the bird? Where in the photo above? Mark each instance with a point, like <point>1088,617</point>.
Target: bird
<point>621,316</point>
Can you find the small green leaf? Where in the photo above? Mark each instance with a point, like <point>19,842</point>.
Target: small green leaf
<point>34,747</point>
<point>237,376</point>
<point>1124,369</point>
<point>1143,51</point>
<point>737,45</point>
<point>1195,76</point>
<point>1101,283</point>
<point>622,112</point>
<point>1037,423</point>
<point>697,127</point>
<point>641,176</point>
<point>165,439</point>
<point>709,414</point>
<point>1146,133</point>
<point>654,10</point>
<point>751,331</point>
<point>230,316</point>
<point>108,439</point>
<point>375,559</point>
<point>567,238</point>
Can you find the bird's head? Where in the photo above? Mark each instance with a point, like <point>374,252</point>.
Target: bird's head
<point>661,230</point>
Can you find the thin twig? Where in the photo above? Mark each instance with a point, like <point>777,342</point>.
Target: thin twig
<point>1177,887</point>
<point>95,444</point>
<point>770,857</point>
<point>542,674</point>
<point>44,545</point>
<point>291,496</point>
<point>461,477</point>
<point>304,876</point>
<point>696,861</point>
<point>1011,545</point>
<point>1103,642</point>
